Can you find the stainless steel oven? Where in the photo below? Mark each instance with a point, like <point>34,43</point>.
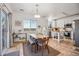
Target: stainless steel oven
<point>67,34</point>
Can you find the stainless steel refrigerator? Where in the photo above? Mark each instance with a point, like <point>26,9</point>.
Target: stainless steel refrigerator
<point>76,32</point>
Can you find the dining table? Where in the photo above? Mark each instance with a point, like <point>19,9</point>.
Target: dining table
<point>36,38</point>
<point>39,36</point>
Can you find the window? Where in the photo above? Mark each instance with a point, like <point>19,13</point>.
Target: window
<point>30,24</point>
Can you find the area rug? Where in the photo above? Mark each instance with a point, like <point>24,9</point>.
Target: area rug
<point>28,52</point>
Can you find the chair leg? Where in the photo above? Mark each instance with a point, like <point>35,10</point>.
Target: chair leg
<point>36,48</point>
<point>42,50</point>
<point>47,48</point>
<point>31,48</point>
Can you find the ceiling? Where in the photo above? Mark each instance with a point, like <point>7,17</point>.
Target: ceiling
<point>56,10</point>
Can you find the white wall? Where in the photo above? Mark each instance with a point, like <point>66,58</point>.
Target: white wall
<point>20,17</point>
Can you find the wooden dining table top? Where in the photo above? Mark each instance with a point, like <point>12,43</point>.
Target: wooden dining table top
<point>36,36</point>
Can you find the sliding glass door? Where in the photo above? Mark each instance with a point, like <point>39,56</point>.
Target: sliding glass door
<point>0,32</point>
<point>4,29</point>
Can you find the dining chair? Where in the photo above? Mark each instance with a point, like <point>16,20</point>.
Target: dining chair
<point>33,43</point>
<point>43,44</point>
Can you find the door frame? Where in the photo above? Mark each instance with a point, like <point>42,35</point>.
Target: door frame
<point>0,34</point>
<point>4,8</point>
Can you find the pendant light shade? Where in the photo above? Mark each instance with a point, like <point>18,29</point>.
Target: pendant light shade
<point>36,15</point>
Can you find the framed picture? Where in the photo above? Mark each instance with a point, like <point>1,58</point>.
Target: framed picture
<point>18,23</point>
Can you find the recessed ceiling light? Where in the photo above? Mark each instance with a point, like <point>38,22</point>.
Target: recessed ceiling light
<point>21,10</point>
<point>64,13</point>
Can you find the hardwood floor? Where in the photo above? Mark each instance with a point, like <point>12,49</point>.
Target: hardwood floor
<point>64,48</point>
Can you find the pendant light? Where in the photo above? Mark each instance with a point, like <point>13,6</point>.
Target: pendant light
<point>37,15</point>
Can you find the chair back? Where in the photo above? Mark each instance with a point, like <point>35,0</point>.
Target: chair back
<point>32,40</point>
<point>46,40</point>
